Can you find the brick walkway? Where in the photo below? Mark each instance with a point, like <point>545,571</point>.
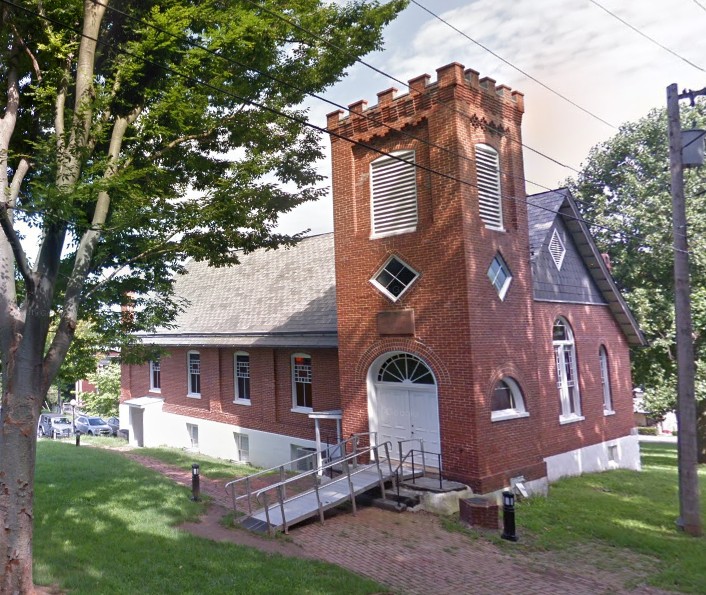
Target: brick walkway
<point>412,554</point>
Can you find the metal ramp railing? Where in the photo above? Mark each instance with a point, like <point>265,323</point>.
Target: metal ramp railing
<point>411,467</point>
<point>290,500</point>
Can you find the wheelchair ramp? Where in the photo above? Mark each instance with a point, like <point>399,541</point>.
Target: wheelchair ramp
<point>295,509</point>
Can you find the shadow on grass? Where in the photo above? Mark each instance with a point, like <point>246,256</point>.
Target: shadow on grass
<point>104,524</point>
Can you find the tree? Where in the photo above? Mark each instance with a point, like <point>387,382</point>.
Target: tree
<point>104,401</point>
<point>624,189</point>
<point>136,134</point>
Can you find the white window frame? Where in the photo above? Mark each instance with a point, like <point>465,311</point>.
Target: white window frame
<point>393,194</point>
<point>519,409</point>
<point>490,202</point>
<point>242,445</point>
<point>295,406</point>
<point>502,266</point>
<point>383,289</point>
<point>567,383</point>
<point>190,377</point>
<point>193,431</point>
<point>605,381</point>
<point>557,250</point>
<point>238,398</point>
<point>155,367</point>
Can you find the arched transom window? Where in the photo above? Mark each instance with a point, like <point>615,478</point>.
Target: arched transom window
<point>404,367</point>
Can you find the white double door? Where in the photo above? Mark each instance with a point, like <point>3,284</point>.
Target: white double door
<point>406,412</point>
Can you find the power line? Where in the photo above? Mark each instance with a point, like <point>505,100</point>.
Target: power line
<point>701,6</point>
<point>291,85</point>
<point>303,122</point>
<point>394,79</point>
<point>511,65</point>
<point>376,121</point>
<point>643,34</point>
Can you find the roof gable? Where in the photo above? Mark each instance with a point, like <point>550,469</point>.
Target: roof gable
<point>557,209</point>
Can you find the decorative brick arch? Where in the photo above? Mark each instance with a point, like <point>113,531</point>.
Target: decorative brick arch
<point>406,345</point>
<point>507,369</point>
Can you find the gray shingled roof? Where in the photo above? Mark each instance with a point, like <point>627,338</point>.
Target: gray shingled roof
<point>284,297</point>
<point>541,213</point>
<point>542,210</point>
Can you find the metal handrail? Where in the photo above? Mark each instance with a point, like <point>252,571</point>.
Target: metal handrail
<point>232,487</point>
<point>409,454</point>
<point>261,495</point>
<point>234,484</point>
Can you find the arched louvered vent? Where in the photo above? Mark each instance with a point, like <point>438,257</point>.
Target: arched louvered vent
<point>489,196</point>
<point>394,194</point>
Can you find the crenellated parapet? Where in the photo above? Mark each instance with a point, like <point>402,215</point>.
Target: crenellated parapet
<point>457,88</point>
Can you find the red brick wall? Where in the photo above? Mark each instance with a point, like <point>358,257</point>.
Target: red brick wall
<point>465,333</point>
<point>463,330</point>
<point>270,385</point>
<point>593,326</point>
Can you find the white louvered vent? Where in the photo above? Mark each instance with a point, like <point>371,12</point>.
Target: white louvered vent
<point>489,196</point>
<point>394,192</point>
<point>556,249</point>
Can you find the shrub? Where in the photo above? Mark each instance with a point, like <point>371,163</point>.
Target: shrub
<point>652,431</point>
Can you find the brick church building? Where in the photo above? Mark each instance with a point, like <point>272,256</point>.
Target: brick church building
<point>447,306</point>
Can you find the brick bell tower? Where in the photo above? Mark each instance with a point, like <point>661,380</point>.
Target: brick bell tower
<point>433,283</point>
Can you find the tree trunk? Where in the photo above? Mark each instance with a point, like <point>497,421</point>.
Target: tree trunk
<point>701,430</point>
<point>18,443</point>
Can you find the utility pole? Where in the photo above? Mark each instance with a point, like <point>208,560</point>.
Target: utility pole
<point>689,503</point>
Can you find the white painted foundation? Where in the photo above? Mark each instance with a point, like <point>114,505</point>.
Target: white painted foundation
<point>622,453</point>
<point>215,439</point>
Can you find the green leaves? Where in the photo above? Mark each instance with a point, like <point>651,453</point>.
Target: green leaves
<point>625,188</point>
<point>216,147</point>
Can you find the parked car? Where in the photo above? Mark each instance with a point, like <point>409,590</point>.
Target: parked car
<point>54,425</point>
<point>114,423</point>
<point>92,426</point>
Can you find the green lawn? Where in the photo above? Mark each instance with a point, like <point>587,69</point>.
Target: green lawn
<point>623,509</point>
<point>104,524</point>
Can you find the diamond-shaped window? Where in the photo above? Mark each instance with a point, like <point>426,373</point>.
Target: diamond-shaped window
<point>500,275</point>
<point>394,278</point>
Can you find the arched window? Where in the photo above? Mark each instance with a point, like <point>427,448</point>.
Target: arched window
<point>405,367</point>
<point>507,401</point>
<point>393,191</point>
<point>489,192</point>
<point>567,376</point>
<point>605,381</point>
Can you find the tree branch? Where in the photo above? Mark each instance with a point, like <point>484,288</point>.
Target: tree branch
<point>25,47</point>
<point>84,255</point>
<point>153,251</point>
<point>20,173</point>
<point>200,136</point>
<point>14,241</point>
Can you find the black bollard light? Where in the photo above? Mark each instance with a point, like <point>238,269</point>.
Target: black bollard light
<point>78,439</point>
<point>509,516</point>
<point>195,483</point>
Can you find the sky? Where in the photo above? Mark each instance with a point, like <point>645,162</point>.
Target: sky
<point>549,49</point>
